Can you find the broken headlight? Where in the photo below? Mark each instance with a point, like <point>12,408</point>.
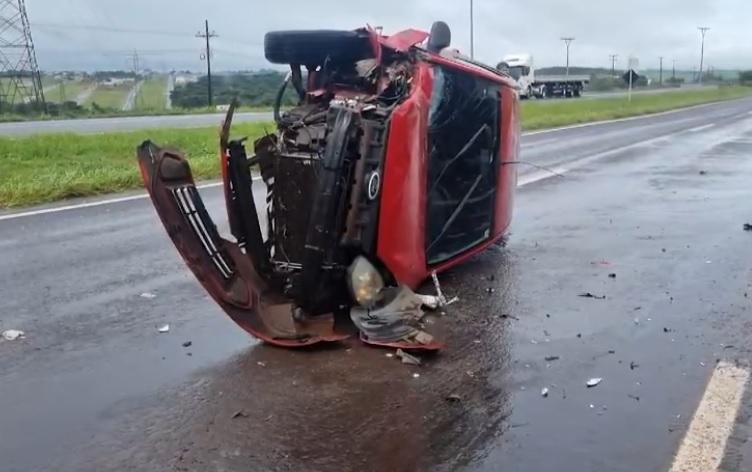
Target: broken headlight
<point>365,282</point>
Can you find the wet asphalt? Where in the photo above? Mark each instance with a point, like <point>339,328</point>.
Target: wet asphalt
<point>647,213</point>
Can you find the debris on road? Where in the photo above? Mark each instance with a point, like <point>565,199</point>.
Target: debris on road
<point>703,172</point>
<point>490,290</point>
<point>666,330</point>
<point>187,344</point>
<point>593,382</point>
<point>453,397</point>
<point>544,392</point>
<point>590,295</point>
<point>634,397</point>
<point>612,275</point>
<point>148,295</point>
<point>416,375</point>
<point>13,334</point>
<point>240,414</point>
<point>747,227</point>
<point>551,358</point>
<point>601,262</point>
<point>633,365</point>
<point>261,364</point>
<point>509,317</point>
<point>389,355</point>
<point>165,328</point>
<point>612,351</point>
<point>407,358</point>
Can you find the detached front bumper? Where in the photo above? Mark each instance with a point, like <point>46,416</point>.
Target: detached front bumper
<point>224,269</point>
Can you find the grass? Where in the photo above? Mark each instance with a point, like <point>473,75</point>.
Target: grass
<point>49,167</point>
<point>550,114</point>
<point>151,97</point>
<point>109,97</point>
<point>68,92</point>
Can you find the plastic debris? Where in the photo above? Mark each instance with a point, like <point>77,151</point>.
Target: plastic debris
<point>240,414</point>
<point>13,334</point>
<point>389,354</point>
<point>453,397</point>
<point>590,295</point>
<point>508,317</point>
<point>551,358</point>
<point>407,358</point>
<point>187,344</point>
<point>148,295</point>
<point>544,392</point>
<point>747,227</point>
<point>612,275</point>
<point>261,363</point>
<point>593,382</point>
<point>666,330</point>
<point>165,328</point>
<point>633,365</point>
<point>416,375</point>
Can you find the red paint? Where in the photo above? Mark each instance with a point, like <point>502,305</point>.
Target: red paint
<point>404,40</point>
<point>402,215</point>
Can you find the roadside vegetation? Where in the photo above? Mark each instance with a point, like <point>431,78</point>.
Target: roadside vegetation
<point>49,167</point>
<point>151,96</point>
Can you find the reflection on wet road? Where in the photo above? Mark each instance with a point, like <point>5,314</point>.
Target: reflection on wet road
<point>653,222</point>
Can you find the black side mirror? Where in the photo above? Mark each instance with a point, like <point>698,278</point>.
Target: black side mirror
<point>440,37</point>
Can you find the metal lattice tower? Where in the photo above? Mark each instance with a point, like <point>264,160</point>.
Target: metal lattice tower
<point>20,81</point>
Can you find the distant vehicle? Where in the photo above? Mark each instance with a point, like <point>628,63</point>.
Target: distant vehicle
<point>520,67</point>
<point>397,163</point>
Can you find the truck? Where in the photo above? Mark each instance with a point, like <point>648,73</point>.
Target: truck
<point>520,67</point>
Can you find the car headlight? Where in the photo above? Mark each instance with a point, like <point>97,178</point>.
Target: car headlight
<point>365,282</point>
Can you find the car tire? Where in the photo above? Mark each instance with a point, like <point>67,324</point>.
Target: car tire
<point>315,47</point>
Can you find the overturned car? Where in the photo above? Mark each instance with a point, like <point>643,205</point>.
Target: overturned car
<point>396,164</point>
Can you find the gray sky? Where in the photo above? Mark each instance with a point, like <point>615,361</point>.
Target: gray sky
<point>65,39</point>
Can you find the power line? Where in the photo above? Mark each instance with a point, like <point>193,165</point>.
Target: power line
<point>108,29</point>
<point>207,36</point>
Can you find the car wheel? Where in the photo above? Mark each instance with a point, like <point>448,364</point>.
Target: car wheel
<point>315,47</point>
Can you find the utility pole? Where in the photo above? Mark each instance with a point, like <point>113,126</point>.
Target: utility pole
<point>567,41</point>
<point>472,31</point>
<point>660,74</point>
<point>613,58</point>
<point>207,35</point>
<point>703,30</point>
<point>673,69</point>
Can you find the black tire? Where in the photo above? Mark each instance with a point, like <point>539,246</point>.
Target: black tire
<point>314,47</point>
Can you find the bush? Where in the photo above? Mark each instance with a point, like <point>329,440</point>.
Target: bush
<point>745,77</point>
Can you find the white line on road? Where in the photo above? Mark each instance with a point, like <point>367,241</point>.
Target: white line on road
<point>77,206</point>
<point>700,128</point>
<point>705,442</point>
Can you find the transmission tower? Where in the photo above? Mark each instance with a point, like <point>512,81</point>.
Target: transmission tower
<point>20,81</point>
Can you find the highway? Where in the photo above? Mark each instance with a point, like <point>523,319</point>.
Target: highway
<point>645,212</point>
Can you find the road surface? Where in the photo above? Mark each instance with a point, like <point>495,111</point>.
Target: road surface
<point>125,123</point>
<point>658,202</point>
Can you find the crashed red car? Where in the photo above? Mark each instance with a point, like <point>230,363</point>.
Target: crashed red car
<point>397,163</point>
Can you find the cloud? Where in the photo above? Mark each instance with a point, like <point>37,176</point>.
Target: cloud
<point>103,33</point>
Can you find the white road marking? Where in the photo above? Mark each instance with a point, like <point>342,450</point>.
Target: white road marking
<point>703,446</point>
<point>700,128</point>
<point>77,206</point>
<point>572,165</point>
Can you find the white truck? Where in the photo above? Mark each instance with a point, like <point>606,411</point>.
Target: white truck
<point>520,67</point>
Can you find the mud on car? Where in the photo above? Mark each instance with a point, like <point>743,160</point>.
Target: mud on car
<point>396,164</point>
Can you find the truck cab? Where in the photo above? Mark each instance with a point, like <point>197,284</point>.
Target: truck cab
<point>520,67</point>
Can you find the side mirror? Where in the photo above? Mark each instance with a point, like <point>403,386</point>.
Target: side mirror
<point>440,37</point>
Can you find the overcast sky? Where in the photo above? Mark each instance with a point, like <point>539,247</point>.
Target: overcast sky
<point>96,34</point>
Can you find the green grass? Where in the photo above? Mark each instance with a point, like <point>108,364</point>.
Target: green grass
<point>151,97</point>
<point>68,92</point>
<point>548,114</point>
<point>49,167</point>
<point>109,97</point>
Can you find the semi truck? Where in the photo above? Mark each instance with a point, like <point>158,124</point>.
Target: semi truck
<point>521,68</point>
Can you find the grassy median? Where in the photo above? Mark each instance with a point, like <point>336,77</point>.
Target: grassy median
<point>51,167</point>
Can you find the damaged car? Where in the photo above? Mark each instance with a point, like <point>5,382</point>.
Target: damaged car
<point>396,164</point>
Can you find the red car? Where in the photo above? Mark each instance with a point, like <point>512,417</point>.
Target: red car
<point>397,163</point>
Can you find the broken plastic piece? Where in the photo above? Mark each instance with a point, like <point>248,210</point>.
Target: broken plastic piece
<point>13,334</point>
<point>165,328</point>
<point>407,358</point>
<point>590,295</point>
<point>148,295</point>
<point>544,392</point>
<point>593,382</point>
